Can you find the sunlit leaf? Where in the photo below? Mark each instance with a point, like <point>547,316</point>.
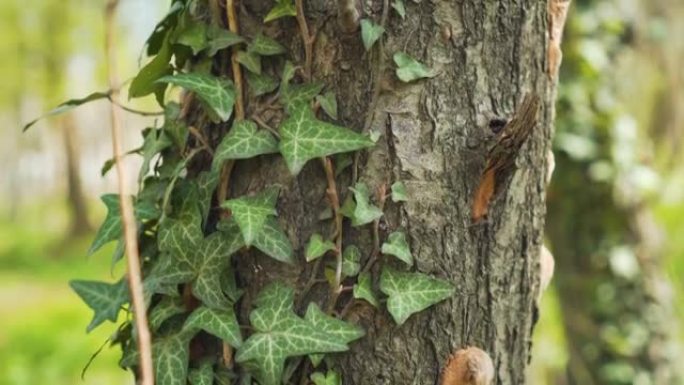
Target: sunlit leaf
<point>410,293</point>
<point>104,298</point>
<point>218,94</point>
<point>351,261</point>
<point>317,246</point>
<point>250,60</point>
<point>363,289</point>
<point>145,82</point>
<point>399,6</point>
<point>398,246</point>
<point>299,94</point>
<point>364,211</point>
<point>265,46</point>
<point>244,140</point>
<point>399,193</point>
<point>111,229</point>
<point>331,378</point>
<point>251,212</point>
<point>194,36</point>
<point>220,323</point>
<point>409,69</point>
<point>370,33</point>
<point>221,38</point>
<point>260,84</point>
<point>282,8</point>
<point>328,103</point>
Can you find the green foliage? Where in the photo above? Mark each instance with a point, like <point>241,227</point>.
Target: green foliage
<point>265,46</point>
<point>363,212</point>
<point>106,299</point>
<point>399,193</point>
<point>396,245</point>
<point>218,94</point>
<point>69,105</point>
<point>370,33</point>
<point>409,69</point>
<point>260,84</point>
<point>204,375</point>
<point>244,141</point>
<point>317,246</point>
<point>351,261</point>
<point>331,378</point>
<point>171,355</point>
<point>328,103</point>
<point>251,212</point>
<point>363,289</point>
<point>221,323</point>
<point>282,8</point>
<point>399,6</point>
<point>410,293</point>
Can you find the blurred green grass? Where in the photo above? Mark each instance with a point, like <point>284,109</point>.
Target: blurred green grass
<point>42,322</point>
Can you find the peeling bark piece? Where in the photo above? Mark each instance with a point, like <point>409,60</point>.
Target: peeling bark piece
<point>546,267</point>
<point>558,12</point>
<point>469,366</point>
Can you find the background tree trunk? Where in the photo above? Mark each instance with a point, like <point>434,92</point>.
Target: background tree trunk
<point>435,136</point>
<point>80,224</point>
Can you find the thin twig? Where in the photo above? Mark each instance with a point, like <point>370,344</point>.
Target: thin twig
<point>200,137</point>
<point>334,201</point>
<point>134,111</point>
<point>127,216</point>
<point>382,194</point>
<point>307,38</point>
<point>237,71</point>
<point>263,124</point>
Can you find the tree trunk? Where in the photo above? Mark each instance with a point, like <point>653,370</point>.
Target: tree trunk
<point>80,224</point>
<point>435,136</point>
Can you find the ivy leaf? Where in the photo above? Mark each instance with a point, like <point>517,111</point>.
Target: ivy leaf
<point>155,141</point>
<point>317,247</point>
<point>351,261</point>
<point>370,33</point>
<point>111,230</point>
<point>328,103</point>
<point>287,75</point>
<point>260,84</point>
<point>194,36</point>
<point>303,137</point>
<point>218,94</point>
<point>174,127</point>
<point>250,60</point>
<point>251,212</point>
<point>265,46</point>
<point>273,242</point>
<point>410,293</point>
<point>68,106</point>
<point>214,257</point>
<point>409,69</point>
<point>364,211</point>
<point>171,356</point>
<point>206,184</point>
<point>221,38</point>
<point>282,8</point>
<point>337,329</point>
<point>145,82</point>
<point>398,6</point>
<point>104,298</point>
<point>204,375</point>
<point>363,289</point>
<point>332,378</point>
<point>399,193</point>
<point>279,334</point>
<point>244,141</point>
<point>165,309</point>
<point>220,323</point>
<point>396,245</point>
<point>299,94</point>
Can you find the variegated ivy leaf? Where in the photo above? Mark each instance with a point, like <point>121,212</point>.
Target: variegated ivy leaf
<point>251,212</point>
<point>410,69</point>
<point>165,309</point>
<point>244,141</point>
<point>104,298</point>
<point>111,229</point>
<point>220,323</point>
<point>351,261</point>
<point>282,8</point>
<point>250,60</point>
<point>399,193</point>
<point>336,328</point>
<point>332,378</point>
<point>299,94</point>
<point>280,333</point>
<point>194,36</point>
<point>260,84</point>
<point>265,46</point>
<point>287,75</point>
<point>303,137</point>
<point>364,290</point>
<point>399,6</point>
<point>220,38</point>
<point>171,356</point>
<point>317,246</point>
<point>398,246</point>
<point>370,33</point>
<point>328,103</point>
<point>206,184</point>
<point>215,253</point>
<point>204,375</point>
<point>410,293</point>
<point>272,241</point>
<point>364,211</point>
<point>218,94</point>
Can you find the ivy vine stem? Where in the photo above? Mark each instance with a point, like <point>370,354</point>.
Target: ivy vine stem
<point>307,38</point>
<point>381,195</point>
<point>334,199</point>
<point>128,218</point>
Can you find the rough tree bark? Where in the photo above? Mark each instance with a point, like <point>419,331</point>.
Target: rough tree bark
<point>435,137</point>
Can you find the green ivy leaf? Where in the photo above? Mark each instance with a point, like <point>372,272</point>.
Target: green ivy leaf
<point>363,289</point>
<point>174,127</point>
<point>332,378</point>
<point>273,242</point>
<point>251,212</point>
<point>399,193</point>
<point>220,323</point>
<point>399,6</point>
<point>328,103</point>
<point>317,246</point>
<point>155,141</point>
<point>260,84</point>
<point>299,94</point>
<point>279,334</point>
<point>68,106</point>
<point>218,94</point>
<point>282,8</point>
<point>364,211</point>
<point>194,36</point>
<point>398,246</point>
<point>287,75</point>
<point>351,261</point>
<point>165,309</point>
<point>204,375</point>
<point>250,60</point>
<point>303,137</point>
<point>409,69</point>
<point>410,293</point>
<point>215,253</point>
<point>171,356</point>
<point>370,33</point>
<point>206,184</point>
<point>145,82</point>
<point>111,229</point>
<point>265,46</point>
<point>104,298</point>
<point>244,141</point>
<point>336,328</point>
<point>221,38</point>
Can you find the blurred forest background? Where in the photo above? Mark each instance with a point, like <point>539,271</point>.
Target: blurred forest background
<point>615,311</point>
